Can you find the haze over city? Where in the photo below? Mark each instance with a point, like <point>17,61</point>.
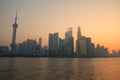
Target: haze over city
<point>99,20</point>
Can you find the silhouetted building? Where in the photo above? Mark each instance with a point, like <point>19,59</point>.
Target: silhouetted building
<point>13,44</point>
<point>106,52</point>
<point>4,50</point>
<point>61,47</point>
<point>115,53</point>
<point>69,42</point>
<point>53,44</point>
<point>101,51</point>
<point>40,44</point>
<point>45,51</point>
<point>83,46</point>
<point>50,41</point>
<point>92,50</point>
<point>29,47</point>
<point>78,42</point>
<point>61,43</point>
<point>89,47</point>
<point>53,41</point>
<point>98,50</point>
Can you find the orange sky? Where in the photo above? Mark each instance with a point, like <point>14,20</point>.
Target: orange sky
<point>98,19</point>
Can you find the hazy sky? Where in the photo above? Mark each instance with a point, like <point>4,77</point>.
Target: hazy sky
<point>98,19</point>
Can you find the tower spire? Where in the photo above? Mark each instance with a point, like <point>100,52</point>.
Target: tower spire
<point>79,33</point>
<point>16,17</point>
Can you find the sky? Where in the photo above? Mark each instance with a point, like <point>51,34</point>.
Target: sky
<point>98,19</point>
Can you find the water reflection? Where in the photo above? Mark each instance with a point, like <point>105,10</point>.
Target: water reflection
<point>60,69</point>
<point>11,70</point>
<point>83,69</point>
<point>107,69</point>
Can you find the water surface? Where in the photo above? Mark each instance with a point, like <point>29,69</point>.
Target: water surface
<point>59,68</point>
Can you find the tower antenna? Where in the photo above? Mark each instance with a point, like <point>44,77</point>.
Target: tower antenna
<point>16,16</point>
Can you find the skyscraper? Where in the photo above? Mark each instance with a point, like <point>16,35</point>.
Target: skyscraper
<point>13,44</point>
<point>50,41</point>
<point>69,42</point>
<point>92,49</point>
<point>53,44</point>
<point>54,41</point>
<point>83,46</point>
<point>78,42</point>
<point>98,51</point>
<point>89,46</point>
<point>40,45</point>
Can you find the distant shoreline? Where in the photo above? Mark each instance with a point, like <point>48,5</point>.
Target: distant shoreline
<point>62,57</point>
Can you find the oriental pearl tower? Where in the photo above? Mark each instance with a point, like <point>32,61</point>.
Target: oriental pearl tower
<point>13,44</point>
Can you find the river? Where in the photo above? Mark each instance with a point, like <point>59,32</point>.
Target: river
<point>27,68</point>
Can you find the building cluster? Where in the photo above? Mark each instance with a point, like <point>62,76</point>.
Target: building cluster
<point>57,47</point>
<point>65,47</point>
<point>61,47</point>
<point>29,47</point>
<point>115,53</point>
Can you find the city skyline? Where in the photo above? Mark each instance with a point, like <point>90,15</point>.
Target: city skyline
<point>99,21</point>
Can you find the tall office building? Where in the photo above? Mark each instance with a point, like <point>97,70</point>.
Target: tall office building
<point>54,41</point>
<point>40,43</point>
<point>98,50</point>
<point>13,44</point>
<point>83,46</point>
<point>53,44</point>
<point>89,47</point>
<point>92,49</point>
<point>69,42</point>
<point>61,43</point>
<point>40,46</point>
<point>61,47</point>
<point>78,41</point>
<point>50,41</point>
<point>68,35</point>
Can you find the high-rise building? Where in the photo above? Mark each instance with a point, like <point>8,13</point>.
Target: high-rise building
<point>40,42</point>
<point>61,47</point>
<point>106,52</point>
<point>88,43</point>
<point>53,44</point>
<point>69,42</point>
<point>53,41</point>
<point>83,46</point>
<point>61,43</point>
<point>44,51</point>
<point>78,42</point>
<point>68,35</point>
<point>92,49</point>
<point>98,50</point>
<point>50,41</point>
<point>40,45</point>
<point>13,44</point>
